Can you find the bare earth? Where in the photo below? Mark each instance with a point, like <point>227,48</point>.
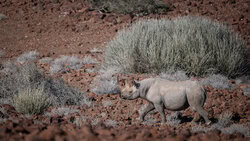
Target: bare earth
<point>68,27</point>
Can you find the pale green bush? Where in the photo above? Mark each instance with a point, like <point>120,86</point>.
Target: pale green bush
<point>196,45</point>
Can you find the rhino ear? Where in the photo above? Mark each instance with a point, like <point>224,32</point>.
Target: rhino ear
<point>136,84</point>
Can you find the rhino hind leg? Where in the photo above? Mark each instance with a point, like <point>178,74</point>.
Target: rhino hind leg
<point>160,109</point>
<point>203,113</point>
<point>196,117</point>
<point>145,111</point>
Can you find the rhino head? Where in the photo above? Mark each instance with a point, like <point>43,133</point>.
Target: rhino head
<point>127,91</point>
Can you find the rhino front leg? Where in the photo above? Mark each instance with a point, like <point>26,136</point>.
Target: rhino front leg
<point>146,110</point>
<point>160,109</point>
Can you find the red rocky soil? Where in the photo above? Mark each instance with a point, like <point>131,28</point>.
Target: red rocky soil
<point>67,27</point>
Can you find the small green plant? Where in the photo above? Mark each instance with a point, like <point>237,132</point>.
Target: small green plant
<point>31,101</point>
<point>195,45</point>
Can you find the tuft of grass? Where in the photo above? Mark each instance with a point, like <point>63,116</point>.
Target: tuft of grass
<point>31,101</point>
<point>110,123</point>
<point>29,76</point>
<point>107,103</point>
<point>79,121</point>
<point>1,53</point>
<point>224,119</point>
<point>45,60</point>
<point>196,45</point>
<point>174,119</point>
<point>62,111</point>
<point>62,63</point>
<point>237,128</point>
<point>224,126</point>
<point>129,6</point>
<point>89,60</point>
<point>3,17</point>
<point>216,81</point>
<point>105,83</point>
<point>246,91</point>
<point>29,56</point>
<point>96,50</point>
<point>95,121</point>
<point>176,76</point>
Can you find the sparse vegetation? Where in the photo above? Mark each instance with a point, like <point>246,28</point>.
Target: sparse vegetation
<point>1,53</point>
<point>129,6</point>
<point>45,60</point>
<point>224,126</point>
<point>31,100</point>
<point>246,91</point>
<point>216,81</point>
<point>89,60</point>
<point>63,63</point>
<point>107,103</point>
<point>225,118</point>
<point>79,121</point>
<point>196,45</point>
<point>27,75</point>
<point>62,111</point>
<point>174,119</point>
<point>110,123</point>
<point>177,76</point>
<point>105,83</point>
<point>3,17</point>
<point>96,50</point>
<point>29,56</point>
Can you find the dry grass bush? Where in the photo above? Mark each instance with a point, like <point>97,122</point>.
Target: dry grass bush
<point>129,6</point>
<point>224,125</point>
<point>196,45</point>
<point>31,101</point>
<point>28,56</point>
<point>174,119</point>
<point>106,83</point>
<point>216,81</point>
<point>29,76</point>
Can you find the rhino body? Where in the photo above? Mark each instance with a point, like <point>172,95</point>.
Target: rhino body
<point>164,94</point>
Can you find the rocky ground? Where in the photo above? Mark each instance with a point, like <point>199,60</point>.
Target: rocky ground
<point>69,27</point>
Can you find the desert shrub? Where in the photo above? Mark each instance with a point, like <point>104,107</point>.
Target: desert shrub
<point>62,111</point>
<point>224,119</point>
<point>63,63</point>
<point>45,60</point>
<point>105,83</point>
<point>234,128</point>
<point>89,60</point>
<point>107,103</point>
<point>1,53</point>
<point>237,128</point>
<point>129,6</point>
<point>31,100</point>
<point>96,50</point>
<point>29,56</point>
<point>176,76</point>
<point>216,81</point>
<point>195,45</point>
<point>110,123</point>
<point>3,17</point>
<point>246,91</point>
<point>79,121</point>
<point>174,119</point>
<point>29,76</point>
